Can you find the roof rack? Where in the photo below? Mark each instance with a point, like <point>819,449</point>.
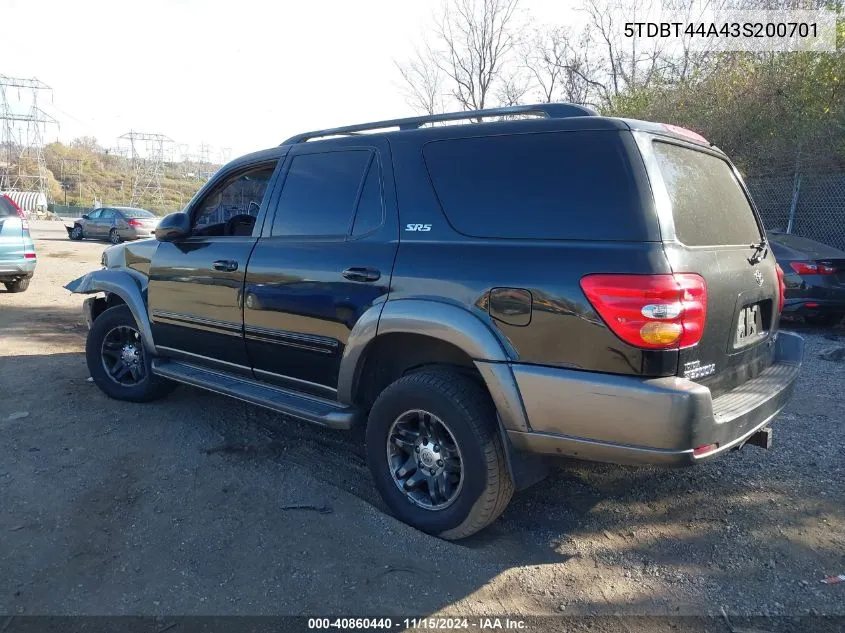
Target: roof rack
<point>548,110</point>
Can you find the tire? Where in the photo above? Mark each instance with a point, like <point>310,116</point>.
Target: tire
<point>468,414</point>
<point>824,320</point>
<point>114,237</point>
<point>77,233</point>
<point>19,285</point>
<point>136,384</point>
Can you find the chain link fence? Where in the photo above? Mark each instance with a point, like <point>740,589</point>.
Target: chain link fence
<point>809,205</point>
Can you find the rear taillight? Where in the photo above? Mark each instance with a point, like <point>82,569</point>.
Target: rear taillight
<point>29,256</point>
<point>682,131</point>
<point>650,311</point>
<point>812,268</point>
<point>135,223</point>
<point>781,288</point>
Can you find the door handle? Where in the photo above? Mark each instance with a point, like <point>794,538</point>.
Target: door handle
<point>226,265</point>
<point>362,274</point>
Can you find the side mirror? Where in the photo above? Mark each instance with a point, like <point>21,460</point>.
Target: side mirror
<point>85,216</point>
<point>173,227</point>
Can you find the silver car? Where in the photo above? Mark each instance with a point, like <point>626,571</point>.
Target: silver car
<point>17,252</point>
<point>114,224</point>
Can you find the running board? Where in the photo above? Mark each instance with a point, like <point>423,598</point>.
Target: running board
<point>298,405</point>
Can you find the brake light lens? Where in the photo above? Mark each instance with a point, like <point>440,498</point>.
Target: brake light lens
<point>781,288</point>
<point>650,311</point>
<point>812,268</point>
<point>682,131</point>
<point>29,256</point>
<point>135,223</point>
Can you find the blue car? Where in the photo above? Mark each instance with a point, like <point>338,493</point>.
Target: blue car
<point>17,252</point>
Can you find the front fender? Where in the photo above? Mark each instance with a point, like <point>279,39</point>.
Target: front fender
<point>125,286</point>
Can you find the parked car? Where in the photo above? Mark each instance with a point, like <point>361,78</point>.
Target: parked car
<point>17,252</point>
<point>114,224</point>
<point>814,274</point>
<point>477,295</point>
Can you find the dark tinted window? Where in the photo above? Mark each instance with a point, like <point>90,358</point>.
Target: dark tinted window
<point>108,214</point>
<point>708,204</point>
<point>560,185</point>
<point>370,211</point>
<point>95,215</point>
<point>319,194</point>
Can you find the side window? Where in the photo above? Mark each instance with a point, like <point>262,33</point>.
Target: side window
<point>108,215</point>
<point>95,215</point>
<point>320,193</point>
<point>370,212</point>
<point>231,207</point>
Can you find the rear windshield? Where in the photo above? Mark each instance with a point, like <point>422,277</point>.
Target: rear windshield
<point>7,209</point>
<point>708,205</point>
<point>137,213</point>
<point>555,185</point>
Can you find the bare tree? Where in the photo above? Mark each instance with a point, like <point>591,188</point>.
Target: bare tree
<point>629,62</point>
<point>423,82</point>
<point>473,40</point>
<point>512,89</point>
<point>562,67</point>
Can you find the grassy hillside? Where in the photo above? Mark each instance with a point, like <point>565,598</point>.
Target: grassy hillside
<point>91,173</point>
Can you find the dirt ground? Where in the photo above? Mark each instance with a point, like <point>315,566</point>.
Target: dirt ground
<point>198,504</point>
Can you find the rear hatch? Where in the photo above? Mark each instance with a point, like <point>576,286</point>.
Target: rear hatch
<point>13,231</point>
<point>710,228</point>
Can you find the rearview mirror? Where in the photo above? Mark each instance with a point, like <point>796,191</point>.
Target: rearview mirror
<point>173,227</point>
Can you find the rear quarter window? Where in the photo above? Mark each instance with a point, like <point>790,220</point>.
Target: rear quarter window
<point>709,206</point>
<point>576,185</point>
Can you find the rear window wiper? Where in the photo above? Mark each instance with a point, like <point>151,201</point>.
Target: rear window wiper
<point>761,249</point>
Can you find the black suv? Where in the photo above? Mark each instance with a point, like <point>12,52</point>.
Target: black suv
<point>548,282</point>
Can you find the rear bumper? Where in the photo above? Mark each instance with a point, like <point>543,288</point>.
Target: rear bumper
<point>17,268</point>
<point>628,420</point>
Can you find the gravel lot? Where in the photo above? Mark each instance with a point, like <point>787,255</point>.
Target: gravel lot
<point>181,506</point>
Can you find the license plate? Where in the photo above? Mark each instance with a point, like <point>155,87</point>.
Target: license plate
<point>750,325</point>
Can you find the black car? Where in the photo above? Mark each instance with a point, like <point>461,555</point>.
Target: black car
<point>472,295</point>
<point>814,274</point>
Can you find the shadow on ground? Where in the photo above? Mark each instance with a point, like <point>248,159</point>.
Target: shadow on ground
<point>200,504</point>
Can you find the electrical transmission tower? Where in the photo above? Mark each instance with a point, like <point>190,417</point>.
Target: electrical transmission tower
<point>146,155</point>
<point>22,128</point>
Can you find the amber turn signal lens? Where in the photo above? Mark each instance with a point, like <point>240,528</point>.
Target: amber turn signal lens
<point>658,333</point>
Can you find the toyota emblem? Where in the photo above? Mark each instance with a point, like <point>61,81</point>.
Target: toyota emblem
<point>758,276</point>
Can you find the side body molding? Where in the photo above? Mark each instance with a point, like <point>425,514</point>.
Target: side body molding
<point>444,321</point>
<point>129,286</point>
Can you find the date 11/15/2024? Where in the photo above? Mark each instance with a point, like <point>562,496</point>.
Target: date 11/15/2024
<point>419,624</point>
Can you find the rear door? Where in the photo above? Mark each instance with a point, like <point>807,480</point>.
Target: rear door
<point>709,227</point>
<point>106,222</point>
<point>325,257</point>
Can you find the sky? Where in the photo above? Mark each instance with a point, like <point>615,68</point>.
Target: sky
<point>243,75</point>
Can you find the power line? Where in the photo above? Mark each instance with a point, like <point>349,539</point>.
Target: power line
<point>146,155</point>
<point>22,165</point>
